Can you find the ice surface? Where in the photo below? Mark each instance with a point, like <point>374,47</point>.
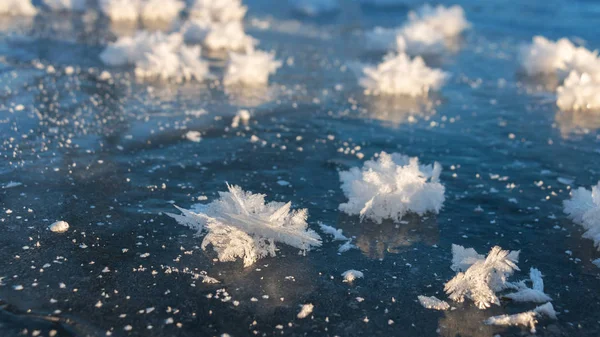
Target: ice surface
<point>527,319</point>
<point>398,74</point>
<point>218,10</point>
<point>390,187</point>
<point>66,5</point>
<point>484,278</point>
<point>241,225</point>
<point>351,275</point>
<point>314,7</point>
<point>584,208</point>
<point>17,7</point>
<point>433,302</point>
<point>250,69</point>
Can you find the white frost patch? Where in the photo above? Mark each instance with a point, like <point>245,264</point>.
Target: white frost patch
<point>351,275</point>
<point>129,50</point>
<point>59,227</point>
<point>390,187</point>
<point>330,230</point>
<point>193,136</point>
<point>218,10</point>
<point>483,278</point>
<point>66,5</point>
<point>584,209</point>
<point>147,10</point>
<point>120,10</point>
<point>433,302</point>
<point>241,225</point>
<point>218,36</point>
<point>17,8</point>
<point>306,309</point>
<point>527,319</point>
<point>346,246</point>
<point>534,294</point>
<point>315,7</point>
<point>579,92</point>
<point>398,74</point>
<point>242,116</point>
<point>251,69</point>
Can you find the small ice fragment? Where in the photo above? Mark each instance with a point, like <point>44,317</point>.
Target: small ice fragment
<point>433,302</point>
<point>193,136</point>
<point>330,230</point>
<point>306,310</point>
<point>12,184</point>
<point>346,246</point>
<point>534,294</point>
<point>59,227</point>
<point>283,183</point>
<point>527,319</point>
<point>565,181</point>
<point>351,275</point>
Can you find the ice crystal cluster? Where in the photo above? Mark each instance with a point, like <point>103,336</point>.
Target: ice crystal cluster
<point>17,8</point>
<point>157,56</point>
<point>584,209</point>
<point>66,5</point>
<point>240,225</point>
<point>579,67</point>
<point>251,68</point>
<point>392,186</point>
<point>218,10</point>
<point>218,35</point>
<point>398,74</point>
<point>147,10</point>
<point>480,278</point>
<point>426,32</point>
<point>314,7</point>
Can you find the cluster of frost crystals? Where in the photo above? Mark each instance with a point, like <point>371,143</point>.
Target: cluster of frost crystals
<point>526,319</point>
<point>426,31</point>
<point>17,8</point>
<point>218,10</point>
<point>584,209</point>
<point>147,10</point>
<point>483,278</point>
<point>218,35</point>
<point>157,56</point>
<point>315,7</point>
<point>398,74</point>
<point>392,186</point>
<point>579,92</point>
<point>241,225</point>
<point>251,68</point>
<point>66,5</point>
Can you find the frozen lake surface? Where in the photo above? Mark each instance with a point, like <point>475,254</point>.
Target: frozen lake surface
<point>111,156</point>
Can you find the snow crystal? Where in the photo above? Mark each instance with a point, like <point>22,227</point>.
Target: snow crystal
<point>251,69</point>
<point>17,7</point>
<point>433,302</point>
<point>330,230</point>
<point>584,209</point>
<point>66,5</point>
<point>241,225</point>
<point>351,275</point>
<point>163,63</point>
<point>483,278</point>
<point>218,10</point>
<point>59,227</point>
<point>578,92</point>
<point>161,10</point>
<point>306,310</point>
<point>399,75</point>
<point>315,7</point>
<point>390,187</point>
<point>129,50</point>
<point>535,294</point>
<point>450,21</point>
<point>218,36</point>
<point>527,319</point>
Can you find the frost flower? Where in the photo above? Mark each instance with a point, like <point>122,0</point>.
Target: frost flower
<point>218,10</point>
<point>218,36</point>
<point>579,92</point>
<point>390,187</point>
<point>251,69</point>
<point>584,208</point>
<point>399,75</point>
<point>241,225</point>
<point>17,7</point>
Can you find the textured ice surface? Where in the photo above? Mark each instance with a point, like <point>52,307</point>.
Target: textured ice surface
<point>391,186</point>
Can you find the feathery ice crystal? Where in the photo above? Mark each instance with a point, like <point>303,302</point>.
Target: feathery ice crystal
<point>218,10</point>
<point>390,187</point>
<point>399,75</point>
<point>483,278</point>
<point>17,7</point>
<point>528,318</point>
<point>157,56</point>
<point>241,225</point>
<point>218,36</point>
<point>66,5</point>
<point>251,69</point>
<point>433,302</point>
<point>584,208</point>
<point>579,92</point>
<point>534,294</point>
